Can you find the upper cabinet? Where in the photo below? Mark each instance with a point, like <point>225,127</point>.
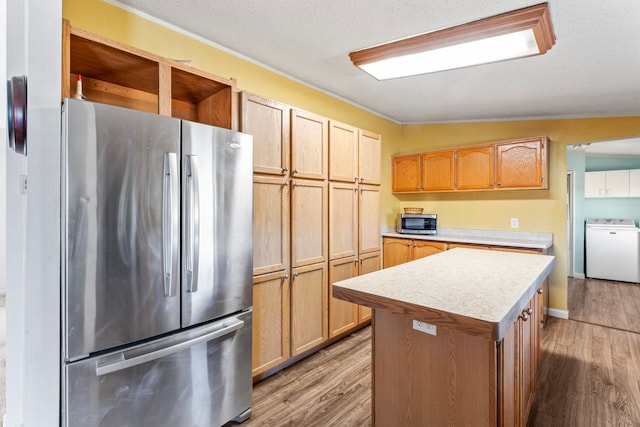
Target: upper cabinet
<point>309,145</point>
<point>475,168</point>
<point>508,165</point>
<point>343,152</point>
<point>268,122</point>
<point>120,75</point>
<point>369,148</point>
<point>522,164</point>
<point>616,183</point>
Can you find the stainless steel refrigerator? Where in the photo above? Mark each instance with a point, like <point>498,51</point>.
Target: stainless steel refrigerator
<point>157,250</point>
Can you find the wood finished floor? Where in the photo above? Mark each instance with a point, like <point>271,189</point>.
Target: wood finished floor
<point>606,303</point>
<point>589,376</point>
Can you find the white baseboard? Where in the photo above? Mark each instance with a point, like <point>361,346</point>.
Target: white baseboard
<point>578,275</point>
<point>554,312</point>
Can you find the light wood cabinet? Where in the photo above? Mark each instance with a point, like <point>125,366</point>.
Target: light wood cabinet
<point>116,74</point>
<point>309,222</point>
<point>270,321</point>
<point>438,171</point>
<point>369,219</point>
<point>343,220</point>
<point>268,122</point>
<point>343,315</point>
<point>507,165</point>
<point>399,250</point>
<point>615,183</point>
<point>309,145</point>
<point>271,228</point>
<point>343,152</point>
<point>369,263</point>
<point>522,164</point>
<point>369,149</point>
<point>405,174</point>
<point>475,168</point>
<point>309,307</point>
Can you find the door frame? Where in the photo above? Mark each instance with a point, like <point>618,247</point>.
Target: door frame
<point>570,223</point>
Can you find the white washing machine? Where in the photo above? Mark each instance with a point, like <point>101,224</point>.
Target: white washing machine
<point>613,249</point>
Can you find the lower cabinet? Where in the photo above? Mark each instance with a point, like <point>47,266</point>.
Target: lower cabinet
<point>398,251</point>
<point>270,321</point>
<point>343,315</point>
<point>309,307</point>
<point>518,359</point>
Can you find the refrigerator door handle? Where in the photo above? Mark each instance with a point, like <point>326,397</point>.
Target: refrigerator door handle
<point>192,216</point>
<point>169,222</point>
<point>125,363</point>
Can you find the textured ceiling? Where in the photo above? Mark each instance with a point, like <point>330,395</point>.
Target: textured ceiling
<point>592,70</point>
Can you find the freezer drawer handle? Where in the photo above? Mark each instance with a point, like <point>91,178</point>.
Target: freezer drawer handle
<point>169,221</point>
<point>125,363</point>
<point>193,223</point>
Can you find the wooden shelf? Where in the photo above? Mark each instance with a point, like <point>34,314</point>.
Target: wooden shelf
<point>117,74</point>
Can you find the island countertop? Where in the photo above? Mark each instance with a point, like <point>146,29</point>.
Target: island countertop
<point>476,291</point>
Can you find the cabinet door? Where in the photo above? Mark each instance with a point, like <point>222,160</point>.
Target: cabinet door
<point>475,168</point>
<point>424,248</point>
<point>396,251</point>
<point>438,171</point>
<point>634,183</point>
<point>270,321</point>
<point>527,360</point>
<point>270,224</point>
<point>343,152</point>
<point>368,263</point>
<point>268,122</point>
<point>309,145</point>
<point>522,164</point>
<point>508,378</point>
<point>617,183</point>
<point>309,222</point>
<point>343,315</point>
<point>369,148</point>
<point>595,184</point>
<point>369,219</point>
<point>309,311</point>
<point>405,171</point>
<point>343,220</point>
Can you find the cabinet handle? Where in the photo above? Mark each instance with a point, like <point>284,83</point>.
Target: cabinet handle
<point>285,184</point>
<point>499,183</point>
<point>355,179</point>
<point>529,311</point>
<point>539,291</point>
<point>361,260</point>
<point>418,187</point>
<point>415,245</point>
<point>524,316</point>
<point>295,274</point>
<point>295,171</point>
<point>285,169</point>
<point>285,277</point>
<point>361,179</point>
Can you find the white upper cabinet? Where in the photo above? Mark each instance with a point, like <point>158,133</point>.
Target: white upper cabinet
<point>607,184</point>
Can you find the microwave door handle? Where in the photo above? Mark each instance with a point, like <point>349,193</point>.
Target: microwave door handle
<point>193,223</point>
<point>169,222</point>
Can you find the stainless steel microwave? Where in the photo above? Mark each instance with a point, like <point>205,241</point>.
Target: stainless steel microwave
<point>417,223</point>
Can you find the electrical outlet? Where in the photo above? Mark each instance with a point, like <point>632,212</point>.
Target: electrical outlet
<point>514,222</point>
<point>425,327</point>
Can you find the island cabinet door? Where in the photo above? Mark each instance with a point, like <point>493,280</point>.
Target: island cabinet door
<point>343,315</point>
<point>309,300</point>
<point>508,379</point>
<point>420,379</point>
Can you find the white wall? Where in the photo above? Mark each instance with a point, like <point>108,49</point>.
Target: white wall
<point>33,219</point>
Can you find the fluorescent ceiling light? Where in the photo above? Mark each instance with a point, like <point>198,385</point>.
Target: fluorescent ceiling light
<point>516,34</point>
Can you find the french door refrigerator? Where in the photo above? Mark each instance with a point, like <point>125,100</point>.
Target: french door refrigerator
<point>157,249</point>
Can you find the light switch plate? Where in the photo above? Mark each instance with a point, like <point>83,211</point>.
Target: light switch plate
<point>514,222</point>
<point>425,327</point>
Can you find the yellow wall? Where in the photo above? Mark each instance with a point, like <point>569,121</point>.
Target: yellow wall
<point>540,211</point>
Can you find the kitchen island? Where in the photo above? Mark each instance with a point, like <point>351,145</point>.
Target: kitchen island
<point>455,337</point>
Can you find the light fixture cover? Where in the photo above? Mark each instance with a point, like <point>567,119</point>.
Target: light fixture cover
<point>515,34</point>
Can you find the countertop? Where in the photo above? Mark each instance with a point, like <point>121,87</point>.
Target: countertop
<point>477,291</point>
<point>517,239</point>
